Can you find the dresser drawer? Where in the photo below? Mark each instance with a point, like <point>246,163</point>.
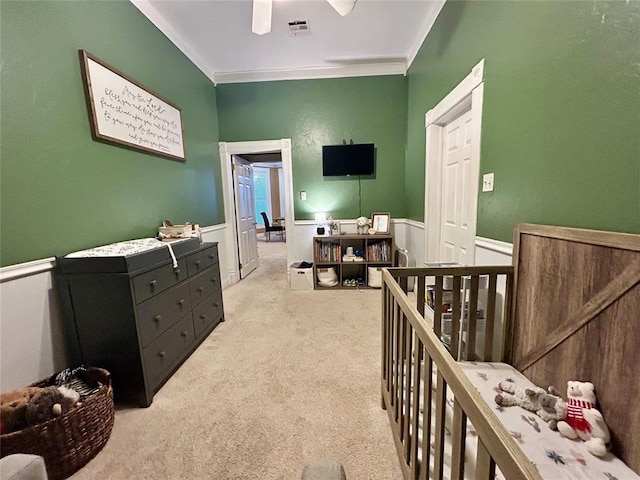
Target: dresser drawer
<point>198,262</point>
<point>208,313</point>
<point>165,351</point>
<point>204,285</point>
<point>160,312</point>
<point>155,281</point>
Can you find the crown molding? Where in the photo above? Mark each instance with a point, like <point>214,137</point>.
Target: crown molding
<point>360,70</point>
<point>159,21</point>
<point>425,31</point>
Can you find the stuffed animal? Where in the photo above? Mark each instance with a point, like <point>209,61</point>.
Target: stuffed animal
<point>552,408</point>
<point>584,421</point>
<point>49,403</point>
<point>526,398</point>
<point>13,406</point>
<point>362,224</point>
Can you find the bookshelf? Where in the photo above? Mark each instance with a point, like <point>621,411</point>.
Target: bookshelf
<point>370,252</point>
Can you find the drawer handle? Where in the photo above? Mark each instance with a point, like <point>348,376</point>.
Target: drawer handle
<point>203,316</point>
<point>200,289</point>
<point>157,318</point>
<point>216,304</point>
<point>214,280</point>
<point>197,263</point>
<point>152,283</point>
<point>162,354</point>
<point>177,271</point>
<point>180,302</point>
<point>212,256</point>
<point>183,333</point>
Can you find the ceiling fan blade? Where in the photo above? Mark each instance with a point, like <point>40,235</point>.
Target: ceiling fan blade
<point>343,7</point>
<point>261,22</point>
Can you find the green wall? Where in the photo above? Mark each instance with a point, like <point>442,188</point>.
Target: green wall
<point>60,190</point>
<point>561,119</point>
<point>319,112</point>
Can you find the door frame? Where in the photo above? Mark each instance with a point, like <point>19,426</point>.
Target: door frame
<point>467,95</point>
<point>227,150</point>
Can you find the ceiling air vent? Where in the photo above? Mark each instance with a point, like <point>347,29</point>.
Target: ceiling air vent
<point>298,28</point>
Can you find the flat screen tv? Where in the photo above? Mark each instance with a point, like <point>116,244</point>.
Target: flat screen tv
<point>345,160</point>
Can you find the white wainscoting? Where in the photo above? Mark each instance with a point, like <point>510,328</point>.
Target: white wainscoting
<point>32,340</point>
<point>32,344</point>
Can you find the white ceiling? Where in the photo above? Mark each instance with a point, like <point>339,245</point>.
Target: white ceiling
<point>378,37</point>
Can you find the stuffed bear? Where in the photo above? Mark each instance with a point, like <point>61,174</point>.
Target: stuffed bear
<point>584,421</point>
<point>362,224</point>
<point>49,403</point>
<point>526,398</point>
<point>552,408</point>
<point>13,406</point>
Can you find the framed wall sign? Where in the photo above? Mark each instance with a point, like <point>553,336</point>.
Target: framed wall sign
<point>380,222</point>
<point>125,112</point>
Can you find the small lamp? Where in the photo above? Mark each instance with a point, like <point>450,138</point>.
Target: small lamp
<point>321,218</point>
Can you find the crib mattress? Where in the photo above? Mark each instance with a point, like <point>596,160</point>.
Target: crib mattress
<point>555,456</point>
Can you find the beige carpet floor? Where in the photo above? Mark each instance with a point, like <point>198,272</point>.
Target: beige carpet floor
<point>289,378</point>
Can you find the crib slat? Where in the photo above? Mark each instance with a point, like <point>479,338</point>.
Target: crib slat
<point>390,310</point>
<point>455,318</point>
<point>507,339</point>
<point>420,295</point>
<point>385,339</point>
<point>397,362</point>
<point>489,318</point>
<point>458,442</point>
<point>485,466</point>
<point>472,311</point>
<point>427,395</point>
<point>441,400</point>
<point>394,357</point>
<point>410,360</point>
<point>415,407</point>
<point>437,310</point>
<point>404,326</point>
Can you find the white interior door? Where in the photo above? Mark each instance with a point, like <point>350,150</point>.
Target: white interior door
<point>458,216</point>
<point>452,171</point>
<point>245,216</point>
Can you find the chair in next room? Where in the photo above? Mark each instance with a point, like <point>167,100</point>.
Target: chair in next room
<point>268,228</point>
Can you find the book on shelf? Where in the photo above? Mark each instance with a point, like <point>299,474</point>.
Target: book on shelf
<point>379,252</point>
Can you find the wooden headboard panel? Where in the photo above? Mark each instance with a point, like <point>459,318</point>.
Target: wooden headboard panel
<point>576,316</point>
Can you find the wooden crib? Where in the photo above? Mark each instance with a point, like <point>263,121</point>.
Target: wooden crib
<point>568,309</point>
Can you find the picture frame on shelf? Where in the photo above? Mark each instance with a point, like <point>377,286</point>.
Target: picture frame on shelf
<point>381,222</point>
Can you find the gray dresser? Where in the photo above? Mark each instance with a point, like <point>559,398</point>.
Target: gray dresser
<point>138,315</point>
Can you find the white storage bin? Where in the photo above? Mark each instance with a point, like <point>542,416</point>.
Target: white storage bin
<point>374,277</point>
<point>300,278</point>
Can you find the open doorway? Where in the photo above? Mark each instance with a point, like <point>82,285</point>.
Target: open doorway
<point>269,194</point>
<point>255,154</point>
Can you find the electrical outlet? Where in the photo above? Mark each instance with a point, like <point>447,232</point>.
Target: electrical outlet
<point>303,195</point>
<point>487,182</point>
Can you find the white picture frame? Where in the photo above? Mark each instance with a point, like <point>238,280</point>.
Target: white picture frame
<point>381,222</point>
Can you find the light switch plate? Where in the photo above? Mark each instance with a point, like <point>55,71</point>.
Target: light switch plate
<point>303,195</point>
<point>487,182</point>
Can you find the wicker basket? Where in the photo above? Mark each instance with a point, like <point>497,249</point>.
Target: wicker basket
<point>69,441</point>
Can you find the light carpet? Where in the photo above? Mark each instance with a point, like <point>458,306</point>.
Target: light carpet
<point>289,378</point>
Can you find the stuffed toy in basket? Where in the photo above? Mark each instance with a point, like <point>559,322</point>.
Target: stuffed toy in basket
<point>75,434</point>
